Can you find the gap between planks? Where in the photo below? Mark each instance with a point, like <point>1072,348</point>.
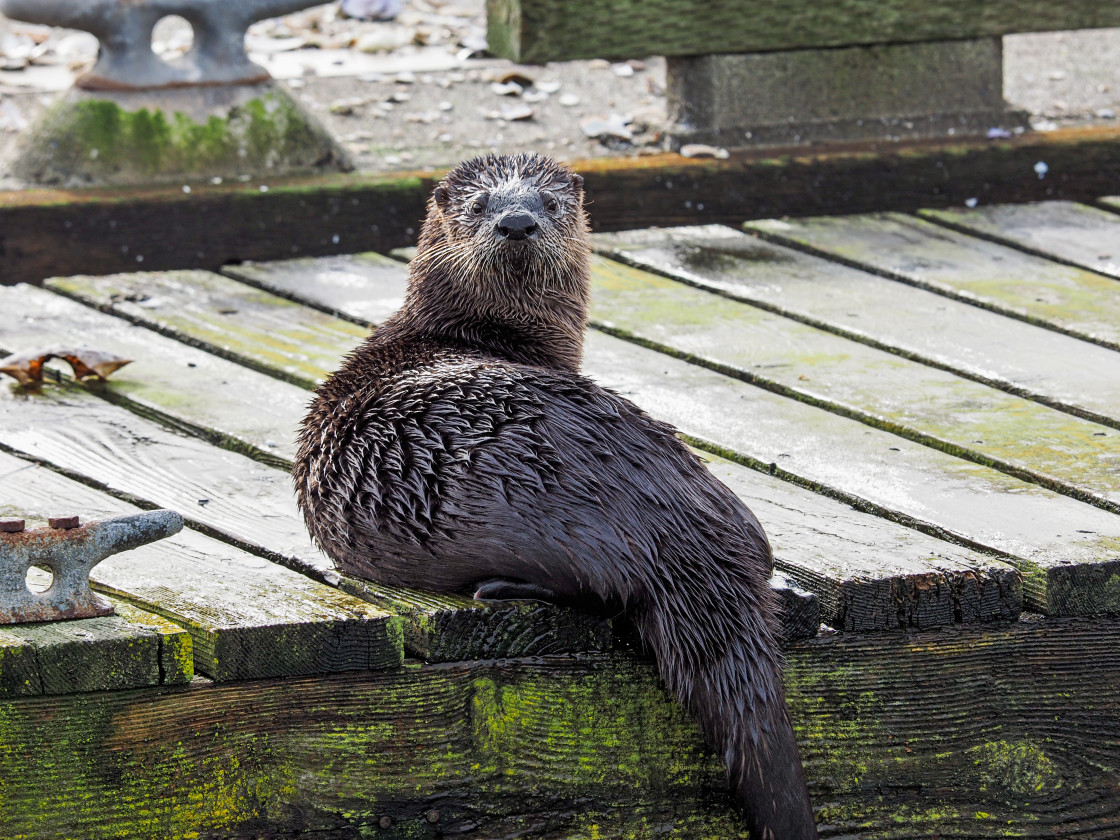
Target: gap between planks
<point>975,588</point>
<point>1093,552</point>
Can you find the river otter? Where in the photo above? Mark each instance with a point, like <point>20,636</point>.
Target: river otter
<point>459,449</point>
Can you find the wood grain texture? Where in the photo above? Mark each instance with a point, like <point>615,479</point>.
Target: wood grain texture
<point>247,618</point>
<point>1079,303</point>
<point>958,733</point>
<point>973,342</point>
<point>964,418</point>
<point>178,385</point>
<point>537,31</point>
<point>370,284</point>
<point>869,574</point>
<point>252,327</point>
<point>1075,234</point>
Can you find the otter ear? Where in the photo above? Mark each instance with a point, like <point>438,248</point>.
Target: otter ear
<point>577,181</point>
<point>441,195</point>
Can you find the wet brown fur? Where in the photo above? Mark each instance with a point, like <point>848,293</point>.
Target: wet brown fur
<point>459,449</point>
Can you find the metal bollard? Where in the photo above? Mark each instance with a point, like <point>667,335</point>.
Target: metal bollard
<point>124,28</point>
<point>70,550</point>
<point>136,119</point>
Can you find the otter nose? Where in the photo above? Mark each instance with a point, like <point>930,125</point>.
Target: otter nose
<point>517,226</point>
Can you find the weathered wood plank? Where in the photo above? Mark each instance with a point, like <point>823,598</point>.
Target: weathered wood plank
<point>869,574</point>
<point>537,31</point>
<point>178,385</point>
<point>959,733</point>
<point>1064,453</point>
<point>1044,366</point>
<point>369,283</point>
<point>247,618</point>
<point>1075,234</point>
<point>251,327</point>
<point>1059,297</point>
<point>1068,551</point>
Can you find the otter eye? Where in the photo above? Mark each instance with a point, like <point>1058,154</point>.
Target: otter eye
<point>477,207</point>
<point>551,204</point>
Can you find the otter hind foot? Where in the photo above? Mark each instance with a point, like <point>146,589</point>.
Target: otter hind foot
<point>497,589</point>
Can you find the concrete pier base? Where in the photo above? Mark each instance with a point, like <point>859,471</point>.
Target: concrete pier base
<point>176,135</point>
<point>857,93</point>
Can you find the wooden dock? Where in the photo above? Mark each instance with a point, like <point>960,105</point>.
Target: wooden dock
<point>923,409</point>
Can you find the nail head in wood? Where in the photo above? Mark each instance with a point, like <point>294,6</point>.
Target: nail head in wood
<point>63,523</point>
<point>432,817</point>
<point>11,526</point>
<point>385,822</point>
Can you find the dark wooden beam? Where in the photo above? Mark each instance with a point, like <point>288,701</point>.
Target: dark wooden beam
<point>44,233</point>
<point>536,31</point>
<point>957,733</point>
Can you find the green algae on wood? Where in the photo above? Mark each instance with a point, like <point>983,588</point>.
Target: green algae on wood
<point>131,649</point>
<point>1033,528</point>
<point>178,135</point>
<point>1052,295</point>
<point>958,733</point>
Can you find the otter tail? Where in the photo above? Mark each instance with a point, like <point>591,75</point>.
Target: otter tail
<point>717,653</point>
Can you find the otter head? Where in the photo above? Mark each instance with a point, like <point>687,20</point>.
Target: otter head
<point>504,251</point>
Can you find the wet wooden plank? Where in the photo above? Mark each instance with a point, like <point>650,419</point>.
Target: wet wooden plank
<point>252,327</point>
<point>1042,365</point>
<point>537,31</point>
<point>368,283</point>
<point>1067,551</point>
<point>50,233</point>
<point>869,574</point>
<point>247,618</point>
<point>198,392</point>
<point>967,419</point>
<point>1076,234</point>
<point>963,732</point>
<point>905,248</point>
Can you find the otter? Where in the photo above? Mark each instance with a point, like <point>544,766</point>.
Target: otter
<point>458,449</point>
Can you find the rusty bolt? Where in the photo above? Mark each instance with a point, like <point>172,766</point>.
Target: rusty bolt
<point>385,822</point>
<point>11,526</point>
<point>432,816</point>
<point>63,523</point>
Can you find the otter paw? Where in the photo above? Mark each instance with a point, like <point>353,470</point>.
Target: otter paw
<point>512,590</point>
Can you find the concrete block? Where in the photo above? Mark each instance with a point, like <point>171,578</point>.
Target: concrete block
<point>855,93</point>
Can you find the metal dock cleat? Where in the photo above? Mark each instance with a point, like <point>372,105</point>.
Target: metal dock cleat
<point>69,550</point>
<point>124,28</point>
<point>136,118</point>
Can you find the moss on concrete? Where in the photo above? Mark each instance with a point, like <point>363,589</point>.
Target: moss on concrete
<point>175,135</point>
